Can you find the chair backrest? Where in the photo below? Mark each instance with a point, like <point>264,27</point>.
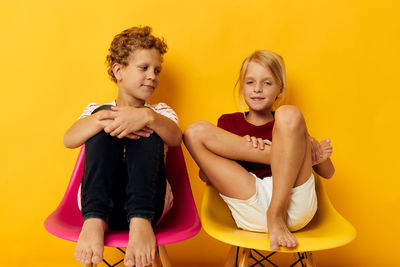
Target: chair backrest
<point>181,223</point>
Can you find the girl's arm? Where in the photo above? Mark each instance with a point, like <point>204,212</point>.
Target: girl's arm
<point>83,129</point>
<point>325,168</point>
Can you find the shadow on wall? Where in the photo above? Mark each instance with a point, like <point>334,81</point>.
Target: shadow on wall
<point>168,89</point>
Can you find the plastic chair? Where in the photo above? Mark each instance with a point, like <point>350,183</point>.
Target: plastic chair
<point>328,229</point>
<point>180,223</point>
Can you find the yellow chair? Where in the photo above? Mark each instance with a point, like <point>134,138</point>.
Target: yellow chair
<point>328,229</point>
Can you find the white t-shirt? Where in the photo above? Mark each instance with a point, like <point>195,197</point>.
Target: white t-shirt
<point>160,108</point>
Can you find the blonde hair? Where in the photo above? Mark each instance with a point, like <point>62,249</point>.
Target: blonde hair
<point>269,60</point>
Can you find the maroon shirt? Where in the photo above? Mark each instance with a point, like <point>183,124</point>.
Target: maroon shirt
<point>237,124</point>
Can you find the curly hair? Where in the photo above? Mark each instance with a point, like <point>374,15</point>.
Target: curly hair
<point>129,40</point>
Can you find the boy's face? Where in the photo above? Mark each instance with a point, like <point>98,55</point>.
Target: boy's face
<point>140,78</point>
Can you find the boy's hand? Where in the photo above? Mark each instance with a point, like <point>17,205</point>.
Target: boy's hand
<point>127,122</point>
<point>257,142</point>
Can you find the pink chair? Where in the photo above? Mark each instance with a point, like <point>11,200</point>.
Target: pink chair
<point>181,223</point>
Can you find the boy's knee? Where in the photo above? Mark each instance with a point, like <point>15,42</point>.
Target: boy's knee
<point>153,140</point>
<point>196,130</point>
<point>103,107</point>
<point>98,139</point>
<point>290,118</point>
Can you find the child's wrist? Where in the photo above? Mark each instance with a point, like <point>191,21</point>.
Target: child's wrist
<point>149,117</point>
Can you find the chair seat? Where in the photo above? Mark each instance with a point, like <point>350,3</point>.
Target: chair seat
<point>181,222</point>
<point>328,229</point>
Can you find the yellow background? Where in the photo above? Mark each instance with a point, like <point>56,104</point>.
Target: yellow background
<point>342,59</point>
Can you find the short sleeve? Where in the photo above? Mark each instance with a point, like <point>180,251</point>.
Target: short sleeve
<point>222,122</point>
<point>165,110</point>
<point>88,110</point>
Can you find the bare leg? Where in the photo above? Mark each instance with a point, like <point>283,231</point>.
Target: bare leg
<point>142,243</point>
<point>215,151</point>
<point>291,167</point>
<point>225,144</point>
<point>91,241</point>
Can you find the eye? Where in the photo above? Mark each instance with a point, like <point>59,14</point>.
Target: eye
<point>267,83</point>
<point>249,82</point>
<point>143,67</point>
<point>157,71</point>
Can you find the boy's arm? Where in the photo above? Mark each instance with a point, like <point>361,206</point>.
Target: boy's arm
<point>83,129</point>
<point>130,119</point>
<point>166,128</point>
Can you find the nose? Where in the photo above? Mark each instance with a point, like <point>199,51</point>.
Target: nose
<point>150,75</point>
<point>257,88</point>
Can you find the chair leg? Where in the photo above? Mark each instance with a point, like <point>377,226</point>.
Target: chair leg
<point>231,260</point>
<point>157,260</point>
<point>164,257</point>
<point>309,259</point>
<point>244,259</point>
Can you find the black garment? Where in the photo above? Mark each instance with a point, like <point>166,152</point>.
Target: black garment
<point>117,188</point>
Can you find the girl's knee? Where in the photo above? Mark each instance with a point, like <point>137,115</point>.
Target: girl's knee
<point>290,118</point>
<point>196,131</point>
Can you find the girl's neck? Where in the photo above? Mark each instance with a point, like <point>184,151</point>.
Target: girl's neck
<point>259,118</point>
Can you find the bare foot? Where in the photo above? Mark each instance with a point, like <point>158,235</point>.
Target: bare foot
<point>320,151</point>
<point>91,241</point>
<point>279,234</point>
<point>326,149</point>
<point>142,243</point>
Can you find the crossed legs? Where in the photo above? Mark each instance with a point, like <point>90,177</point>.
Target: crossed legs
<point>216,151</point>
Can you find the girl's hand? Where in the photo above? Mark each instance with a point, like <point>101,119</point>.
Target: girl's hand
<point>257,142</point>
<point>127,122</point>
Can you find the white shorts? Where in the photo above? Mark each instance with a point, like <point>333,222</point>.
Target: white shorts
<point>251,214</point>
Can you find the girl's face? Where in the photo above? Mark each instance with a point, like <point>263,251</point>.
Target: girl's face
<point>260,89</point>
<point>138,80</point>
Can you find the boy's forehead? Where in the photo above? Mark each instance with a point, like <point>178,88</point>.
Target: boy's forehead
<point>151,54</point>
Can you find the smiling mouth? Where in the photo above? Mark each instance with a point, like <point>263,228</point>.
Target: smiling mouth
<point>257,98</point>
<point>148,86</point>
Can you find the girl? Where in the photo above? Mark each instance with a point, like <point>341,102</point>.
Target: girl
<point>269,187</point>
<point>124,184</point>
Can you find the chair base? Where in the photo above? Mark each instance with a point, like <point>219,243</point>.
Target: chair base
<point>241,257</point>
<point>161,259</point>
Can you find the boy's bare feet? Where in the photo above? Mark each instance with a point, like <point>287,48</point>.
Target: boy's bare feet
<point>91,241</point>
<point>279,234</point>
<point>142,243</point>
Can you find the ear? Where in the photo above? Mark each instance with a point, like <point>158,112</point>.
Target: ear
<point>116,69</point>
<point>280,93</point>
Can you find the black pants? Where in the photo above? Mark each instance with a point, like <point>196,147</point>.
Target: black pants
<point>123,178</point>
